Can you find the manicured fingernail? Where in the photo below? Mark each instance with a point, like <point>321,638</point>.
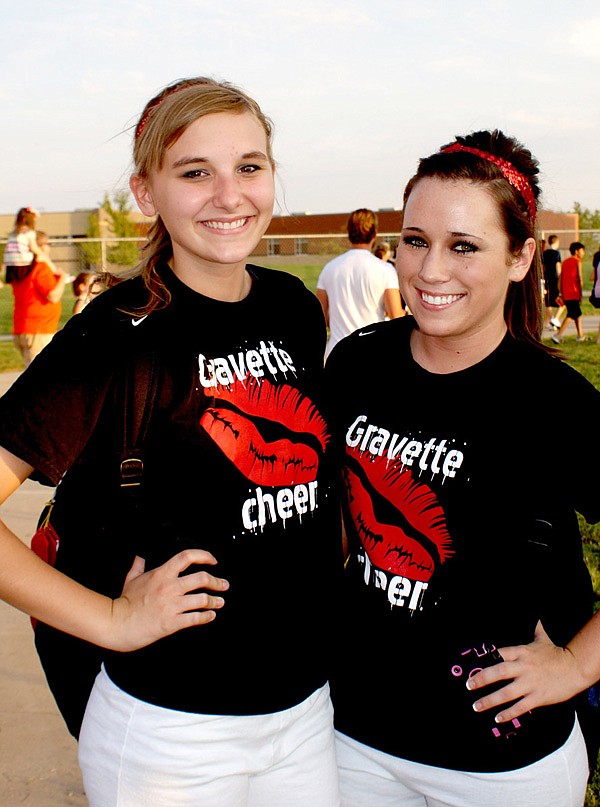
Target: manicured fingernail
<point>477,706</point>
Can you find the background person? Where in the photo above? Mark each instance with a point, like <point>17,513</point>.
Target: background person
<point>383,251</point>
<point>596,259</point>
<point>571,291</point>
<point>82,286</point>
<point>37,302</point>
<point>595,278</point>
<point>453,531</point>
<point>356,288</point>
<point>21,248</point>
<point>551,261</point>
<point>201,703</point>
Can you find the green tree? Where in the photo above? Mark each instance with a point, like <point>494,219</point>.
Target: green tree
<point>92,251</point>
<point>120,225</point>
<point>588,220</point>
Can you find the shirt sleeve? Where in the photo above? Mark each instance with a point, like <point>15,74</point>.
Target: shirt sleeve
<point>44,280</point>
<point>49,413</point>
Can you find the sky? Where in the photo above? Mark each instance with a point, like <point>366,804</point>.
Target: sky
<point>357,91</point>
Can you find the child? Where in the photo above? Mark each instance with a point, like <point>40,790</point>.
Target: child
<point>460,554</point>
<point>217,692</point>
<point>82,286</point>
<point>21,248</point>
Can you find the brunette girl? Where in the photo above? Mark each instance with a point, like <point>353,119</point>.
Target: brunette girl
<point>465,565</point>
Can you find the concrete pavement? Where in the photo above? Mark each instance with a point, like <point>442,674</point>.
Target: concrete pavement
<point>38,757</point>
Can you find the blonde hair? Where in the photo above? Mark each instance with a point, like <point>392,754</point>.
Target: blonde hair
<point>164,119</point>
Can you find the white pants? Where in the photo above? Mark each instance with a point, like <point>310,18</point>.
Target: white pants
<point>134,754</point>
<point>369,777</point>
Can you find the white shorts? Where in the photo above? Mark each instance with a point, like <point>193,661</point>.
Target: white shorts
<point>134,754</point>
<point>369,777</point>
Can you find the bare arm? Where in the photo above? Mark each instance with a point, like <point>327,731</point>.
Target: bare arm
<point>33,244</point>
<point>151,606</point>
<point>324,300</point>
<point>393,304</point>
<point>542,673</point>
<point>56,293</point>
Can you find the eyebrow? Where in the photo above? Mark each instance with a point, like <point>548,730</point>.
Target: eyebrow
<point>250,155</point>
<point>453,233</point>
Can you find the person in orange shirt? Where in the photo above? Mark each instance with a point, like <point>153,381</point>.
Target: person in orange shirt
<point>37,295</point>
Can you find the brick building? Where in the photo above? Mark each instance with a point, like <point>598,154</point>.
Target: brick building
<point>299,237</point>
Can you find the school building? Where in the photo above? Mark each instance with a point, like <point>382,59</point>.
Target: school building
<point>295,238</point>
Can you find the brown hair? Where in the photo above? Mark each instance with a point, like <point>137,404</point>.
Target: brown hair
<point>25,219</point>
<point>42,238</point>
<point>361,226</point>
<point>164,119</point>
<point>383,248</point>
<point>523,310</point>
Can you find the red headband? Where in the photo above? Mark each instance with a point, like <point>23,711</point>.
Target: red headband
<point>516,178</point>
<point>158,101</point>
<point>142,124</point>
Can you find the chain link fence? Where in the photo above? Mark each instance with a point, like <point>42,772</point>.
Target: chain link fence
<point>115,255</point>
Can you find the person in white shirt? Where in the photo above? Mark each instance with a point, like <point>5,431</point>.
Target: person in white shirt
<point>356,289</point>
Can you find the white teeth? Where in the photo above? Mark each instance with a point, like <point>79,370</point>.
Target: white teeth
<point>440,299</point>
<point>225,225</point>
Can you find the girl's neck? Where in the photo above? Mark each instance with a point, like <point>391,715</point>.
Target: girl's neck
<point>229,284</point>
<point>444,355</point>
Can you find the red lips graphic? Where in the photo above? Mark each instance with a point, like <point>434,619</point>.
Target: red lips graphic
<point>280,462</point>
<point>419,540</point>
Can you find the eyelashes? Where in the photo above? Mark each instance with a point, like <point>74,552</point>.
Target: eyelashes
<point>461,247</point>
<point>244,170</point>
<point>413,241</point>
<point>465,247</point>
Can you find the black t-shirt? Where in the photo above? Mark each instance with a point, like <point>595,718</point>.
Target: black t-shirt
<point>550,259</point>
<point>235,462</point>
<point>462,534</point>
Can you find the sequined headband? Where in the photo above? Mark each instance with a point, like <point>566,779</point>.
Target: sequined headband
<point>144,120</point>
<point>516,178</point>
<point>158,101</point>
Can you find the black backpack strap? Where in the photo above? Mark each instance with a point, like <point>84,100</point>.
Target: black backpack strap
<point>140,392</point>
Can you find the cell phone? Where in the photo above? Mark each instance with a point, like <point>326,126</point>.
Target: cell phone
<point>473,660</point>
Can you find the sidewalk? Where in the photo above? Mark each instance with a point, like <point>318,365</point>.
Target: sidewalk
<point>590,327</point>
<point>38,756</point>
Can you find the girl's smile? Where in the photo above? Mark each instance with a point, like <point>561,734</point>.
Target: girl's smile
<point>214,194</point>
<point>455,268</point>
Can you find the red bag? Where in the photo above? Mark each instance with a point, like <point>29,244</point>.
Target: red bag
<point>45,541</point>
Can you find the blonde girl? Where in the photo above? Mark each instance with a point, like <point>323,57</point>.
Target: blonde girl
<point>217,694</point>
